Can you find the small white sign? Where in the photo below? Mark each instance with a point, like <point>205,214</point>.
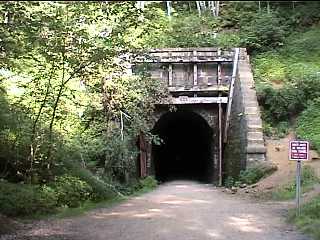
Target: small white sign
<point>299,150</point>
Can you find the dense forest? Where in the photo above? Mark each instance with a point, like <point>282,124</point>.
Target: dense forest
<point>64,87</point>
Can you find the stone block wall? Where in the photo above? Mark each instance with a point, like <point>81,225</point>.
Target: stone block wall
<point>245,145</point>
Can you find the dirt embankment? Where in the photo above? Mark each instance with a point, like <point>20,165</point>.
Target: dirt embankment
<point>278,153</point>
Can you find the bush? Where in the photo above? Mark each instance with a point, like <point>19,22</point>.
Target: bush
<point>255,173</point>
<point>101,190</point>
<point>22,199</point>
<point>270,68</point>
<point>71,191</point>
<point>229,182</point>
<point>148,183</point>
<point>308,124</point>
<point>264,32</point>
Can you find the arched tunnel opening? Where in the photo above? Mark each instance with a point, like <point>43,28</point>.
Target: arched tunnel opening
<point>186,149</point>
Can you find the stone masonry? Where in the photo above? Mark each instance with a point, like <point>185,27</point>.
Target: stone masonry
<point>245,147</point>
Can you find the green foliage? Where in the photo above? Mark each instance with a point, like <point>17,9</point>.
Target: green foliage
<point>308,179</point>
<point>148,183</point>
<point>229,182</point>
<point>309,220</point>
<point>101,190</point>
<point>71,191</point>
<point>282,103</point>
<point>137,186</point>
<point>253,174</point>
<point>205,29</point>
<point>288,101</point>
<point>308,124</point>
<point>278,130</point>
<point>287,80</point>
<point>22,199</point>
<point>264,32</point>
<point>250,176</point>
<point>270,68</point>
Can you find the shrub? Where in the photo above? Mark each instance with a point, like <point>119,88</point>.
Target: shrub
<point>229,182</point>
<point>22,199</point>
<point>71,191</point>
<point>265,31</point>
<point>269,67</point>
<point>148,183</point>
<point>308,124</point>
<point>255,173</point>
<point>101,190</point>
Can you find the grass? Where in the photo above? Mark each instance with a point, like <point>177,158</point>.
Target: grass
<point>66,212</point>
<point>308,179</point>
<point>309,220</point>
<point>298,57</point>
<point>146,185</point>
<point>308,125</point>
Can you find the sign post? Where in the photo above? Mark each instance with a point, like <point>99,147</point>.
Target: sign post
<point>298,151</point>
<point>298,187</point>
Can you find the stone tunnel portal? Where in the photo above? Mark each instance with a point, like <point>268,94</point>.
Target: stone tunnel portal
<point>186,150</point>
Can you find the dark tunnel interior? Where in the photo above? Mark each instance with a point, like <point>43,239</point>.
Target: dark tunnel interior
<point>185,153</point>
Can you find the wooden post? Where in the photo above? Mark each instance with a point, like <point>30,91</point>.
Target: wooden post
<point>195,69</point>
<point>220,122</point>
<point>195,74</point>
<point>170,74</point>
<point>220,144</point>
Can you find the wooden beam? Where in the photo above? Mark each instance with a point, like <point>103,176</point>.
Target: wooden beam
<point>199,88</point>
<point>174,59</point>
<point>194,100</point>
<point>200,49</point>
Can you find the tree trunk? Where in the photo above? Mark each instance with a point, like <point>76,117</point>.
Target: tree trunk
<point>198,7</point>
<point>33,146</point>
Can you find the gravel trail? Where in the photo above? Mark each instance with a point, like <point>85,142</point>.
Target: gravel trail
<point>179,210</point>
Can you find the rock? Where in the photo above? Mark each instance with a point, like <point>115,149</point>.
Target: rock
<point>234,189</point>
<point>228,190</point>
<point>243,185</point>
<point>254,185</point>
<point>278,148</point>
<point>247,191</point>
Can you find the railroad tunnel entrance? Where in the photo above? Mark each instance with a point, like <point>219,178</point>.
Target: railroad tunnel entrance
<point>186,151</point>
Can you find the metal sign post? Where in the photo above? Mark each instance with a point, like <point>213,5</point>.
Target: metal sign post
<point>298,187</point>
<point>298,151</point>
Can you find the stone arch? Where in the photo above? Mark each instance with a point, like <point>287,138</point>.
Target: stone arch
<point>187,151</point>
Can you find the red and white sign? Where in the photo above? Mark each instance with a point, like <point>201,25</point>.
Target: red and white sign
<point>299,151</point>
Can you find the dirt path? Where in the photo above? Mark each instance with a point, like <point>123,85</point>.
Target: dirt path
<point>178,211</point>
